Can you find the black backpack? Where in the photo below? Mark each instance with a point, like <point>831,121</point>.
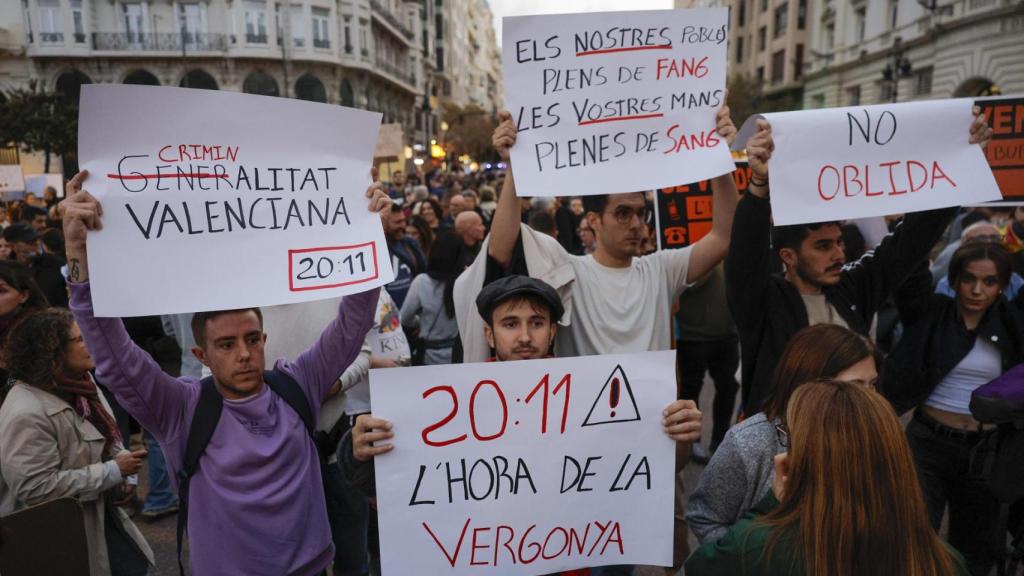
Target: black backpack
<point>204,423</point>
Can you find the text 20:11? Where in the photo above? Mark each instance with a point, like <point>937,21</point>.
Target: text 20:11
<point>325,266</point>
<point>543,388</point>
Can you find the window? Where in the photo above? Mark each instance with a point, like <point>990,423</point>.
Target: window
<point>781,20</point>
<point>760,74</point>
<point>859,23</point>
<point>364,37</point>
<point>298,29</point>
<point>50,29</point>
<point>778,67</point>
<point>801,14</point>
<point>762,38</point>
<point>134,14</point>
<point>255,23</point>
<point>818,101</point>
<point>798,62</point>
<point>829,33</point>
<point>764,5</point>
<point>894,14</point>
<point>78,21</point>
<point>886,91</point>
<point>321,34</point>
<point>192,23</point>
<point>923,82</point>
<point>348,34</point>
<point>853,96</point>
<point>742,15</point>
<point>739,50</point>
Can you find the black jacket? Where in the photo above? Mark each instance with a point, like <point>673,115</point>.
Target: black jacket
<point>768,309</point>
<point>935,340</point>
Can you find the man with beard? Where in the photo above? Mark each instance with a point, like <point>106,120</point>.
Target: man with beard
<point>818,286</point>
<point>407,259</point>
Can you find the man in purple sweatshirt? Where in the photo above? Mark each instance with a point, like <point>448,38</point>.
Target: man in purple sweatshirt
<point>256,501</point>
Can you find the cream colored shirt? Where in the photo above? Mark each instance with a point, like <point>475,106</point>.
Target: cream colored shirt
<point>819,311</point>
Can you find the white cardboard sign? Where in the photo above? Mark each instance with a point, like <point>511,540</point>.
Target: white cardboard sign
<point>11,178</point>
<point>864,161</point>
<point>616,101</point>
<point>526,467</point>
<point>221,200</point>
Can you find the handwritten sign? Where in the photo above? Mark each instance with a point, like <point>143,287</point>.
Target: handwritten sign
<point>526,467</point>
<point>11,178</point>
<point>616,101</point>
<point>685,212</point>
<point>864,161</point>
<point>220,200</point>
<point>1005,153</point>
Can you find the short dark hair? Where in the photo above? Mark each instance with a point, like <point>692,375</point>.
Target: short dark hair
<point>542,221</point>
<point>53,239</point>
<point>793,236</point>
<point>973,218</point>
<point>975,251</point>
<point>199,320</point>
<point>20,277</point>
<point>36,347</point>
<point>596,203</point>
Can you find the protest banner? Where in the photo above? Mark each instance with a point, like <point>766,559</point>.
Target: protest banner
<point>224,200</point>
<point>615,101</point>
<point>684,213</point>
<point>12,181</point>
<point>863,161</point>
<point>390,142</point>
<point>1005,153</point>
<point>526,467</point>
<point>37,183</point>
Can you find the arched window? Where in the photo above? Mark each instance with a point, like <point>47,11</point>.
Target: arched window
<point>260,83</point>
<point>198,79</point>
<point>348,97</point>
<point>141,77</point>
<point>309,87</point>
<point>70,83</point>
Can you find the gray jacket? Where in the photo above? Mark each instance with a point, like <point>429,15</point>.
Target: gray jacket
<point>737,477</point>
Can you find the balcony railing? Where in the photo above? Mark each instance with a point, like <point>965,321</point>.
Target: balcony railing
<point>150,42</point>
<point>80,38</point>
<point>51,37</point>
<point>321,43</point>
<point>255,38</point>
<point>391,19</point>
<point>396,72</point>
<point>299,42</point>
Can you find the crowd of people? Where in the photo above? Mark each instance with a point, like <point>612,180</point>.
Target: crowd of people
<point>257,426</point>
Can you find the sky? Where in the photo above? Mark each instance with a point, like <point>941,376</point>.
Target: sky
<point>502,8</point>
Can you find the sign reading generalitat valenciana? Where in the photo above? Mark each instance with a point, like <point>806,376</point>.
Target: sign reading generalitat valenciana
<point>529,467</point>
<point>616,101</point>
<point>219,200</point>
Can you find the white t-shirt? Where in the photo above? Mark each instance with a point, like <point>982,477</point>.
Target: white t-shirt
<point>623,309</point>
<point>819,311</point>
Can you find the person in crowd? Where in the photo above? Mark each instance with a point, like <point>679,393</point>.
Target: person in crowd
<point>406,257</point>
<point>35,217</point>
<point>740,473</point>
<point>469,227</point>
<point>982,231</point>
<point>818,286</point>
<point>20,296</point>
<point>587,239</point>
<point>521,320</point>
<point>418,229</point>
<point>260,442</point>
<point>541,221</point>
<point>707,343</point>
<point>396,189</point>
<point>429,309</point>
<point>950,346</point>
<point>430,211</point>
<point>940,265</point>
<point>845,500</point>
<point>6,250</point>
<point>567,222</point>
<point>58,439</point>
<point>488,201</point>
<point>576,205</point>
<point>32,200</point>
<point>620,300</point>
<point>52,242</point>
<point>45,268</point>
<point>453,204</point>
<point>49,197</point>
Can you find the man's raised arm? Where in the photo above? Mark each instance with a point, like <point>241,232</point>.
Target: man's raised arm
<point>157,400</point>
<point>506,221</point>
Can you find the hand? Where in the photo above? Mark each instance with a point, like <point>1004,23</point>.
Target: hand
<point>130,462</point>
<point>681,420</point>
<point>377,362</point>
<point>80,212</point>
<point>724,126</point>
<point>981,132</point>
<point>781,472</point>
<point>760,148</point>
<point>365,432</point>
<point>126,494</point>
<point>504,137</point>
<point>380,202</point>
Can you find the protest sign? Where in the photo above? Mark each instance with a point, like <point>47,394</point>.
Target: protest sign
<point>11,179</point>
<point>526,467</point>
<point>862,161</point>
<point>685,212</point>
<point>224,200</point>
<point>615,101</point>
<point>1005,153</point>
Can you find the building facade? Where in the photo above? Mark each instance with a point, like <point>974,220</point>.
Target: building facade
<point>468,58</point>
<point>379,55</point>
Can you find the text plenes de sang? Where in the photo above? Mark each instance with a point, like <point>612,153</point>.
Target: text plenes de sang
<point>255,197</point>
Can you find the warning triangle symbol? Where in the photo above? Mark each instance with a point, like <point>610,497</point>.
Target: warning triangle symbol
<point>615,403</point>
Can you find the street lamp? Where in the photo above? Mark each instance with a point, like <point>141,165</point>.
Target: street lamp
<point>898,67</point>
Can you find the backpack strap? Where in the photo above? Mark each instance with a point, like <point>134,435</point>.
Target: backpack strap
<point>289,390</point>
<point>204,422</point>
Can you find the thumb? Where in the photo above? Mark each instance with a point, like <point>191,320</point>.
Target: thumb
<point>140,453</point>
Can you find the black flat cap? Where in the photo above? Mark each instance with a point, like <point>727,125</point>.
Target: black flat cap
<point>500,290</point>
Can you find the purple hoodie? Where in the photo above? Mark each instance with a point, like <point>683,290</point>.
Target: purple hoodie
<point>257,500</point>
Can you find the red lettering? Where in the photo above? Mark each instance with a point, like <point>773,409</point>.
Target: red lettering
<point>938,173</point>
<point>183,152</point>
<point>892,179</point>
<point>474,548</point>
<point>617,538</point>
<point>161,154</point>
<point>451,558</point>
<point>455,409</point>
<point>523,542</point>
<point>867,184</point>
<point>822,173</point>
<point>505,544</point>
<point>472,411</point>
<point>910,175</point>
<point>681,68</point>
<point>855,178</point>
<point>661,66</point>
<point>565,543</point>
